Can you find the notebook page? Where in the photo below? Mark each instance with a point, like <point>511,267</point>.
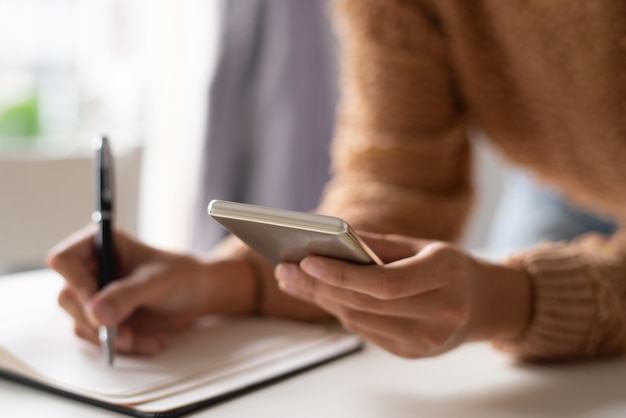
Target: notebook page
<point>216,350</point>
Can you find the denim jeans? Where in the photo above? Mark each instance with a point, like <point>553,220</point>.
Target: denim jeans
<point>529,213</point>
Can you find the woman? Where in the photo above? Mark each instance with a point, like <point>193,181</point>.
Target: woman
<point>544,81</point>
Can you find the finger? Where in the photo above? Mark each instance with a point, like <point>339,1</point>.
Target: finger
<point>396,280</point>
<point>407,349</point>
<point>400,329</point>
<point>359,321</point>
<point>148,321</point>
<point>297,283</point>
<point>115,303</point>
<point>398,348</point>
<point>132,342</point>
<point>73,258</point>
<point>86,332</point>
<point>71,303</point>
<point>147,345</point>
<point>127,341</point>
<point>393,247</point>
<point>294,281</point>
<point>389,333</point>
<point>428,305</point>
<point>405,337</point>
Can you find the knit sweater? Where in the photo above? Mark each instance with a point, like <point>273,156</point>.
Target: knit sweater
<point>547,82</point>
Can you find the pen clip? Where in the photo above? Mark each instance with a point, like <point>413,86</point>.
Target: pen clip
<point>103,175</point>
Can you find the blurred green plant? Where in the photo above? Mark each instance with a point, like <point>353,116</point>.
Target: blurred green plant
<point>19,122</point>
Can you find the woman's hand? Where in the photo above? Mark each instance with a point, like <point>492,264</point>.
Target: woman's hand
<point>158,292</point>
<point>428,298</point>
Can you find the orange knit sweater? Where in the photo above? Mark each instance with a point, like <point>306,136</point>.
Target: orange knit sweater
<point>547,82</point>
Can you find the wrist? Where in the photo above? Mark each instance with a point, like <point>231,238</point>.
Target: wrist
<point>505,303</point>
<point>228,286</point>
<point>256,290</point>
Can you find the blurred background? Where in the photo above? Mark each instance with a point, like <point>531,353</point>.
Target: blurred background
<point>136,70</point>
<point>141,71</point>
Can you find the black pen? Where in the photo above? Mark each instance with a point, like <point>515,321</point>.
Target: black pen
<point>104,243</point>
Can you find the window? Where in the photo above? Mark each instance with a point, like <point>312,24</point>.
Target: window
<point>70,69</point>
<point>135,69</point>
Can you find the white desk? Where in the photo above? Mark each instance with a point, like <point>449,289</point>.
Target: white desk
<point>473,381</point>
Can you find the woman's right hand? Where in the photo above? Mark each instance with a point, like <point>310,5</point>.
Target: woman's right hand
<point>157,292</point>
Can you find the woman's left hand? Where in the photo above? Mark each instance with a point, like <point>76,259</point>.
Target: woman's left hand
<point>428,298</point>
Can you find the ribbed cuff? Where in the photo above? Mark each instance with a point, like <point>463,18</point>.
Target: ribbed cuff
<point>563,305</point>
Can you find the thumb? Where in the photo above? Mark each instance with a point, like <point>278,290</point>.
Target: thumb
<point>391,247</point>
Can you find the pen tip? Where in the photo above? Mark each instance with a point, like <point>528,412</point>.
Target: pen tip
<point>108,338</point>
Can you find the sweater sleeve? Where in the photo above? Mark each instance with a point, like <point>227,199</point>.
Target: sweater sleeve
<point>401,158</point>
<point>579,299</point>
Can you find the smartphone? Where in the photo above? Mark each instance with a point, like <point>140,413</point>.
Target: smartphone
<point>284,235</point>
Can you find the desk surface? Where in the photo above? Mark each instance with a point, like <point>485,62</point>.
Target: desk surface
<point>473,381</point>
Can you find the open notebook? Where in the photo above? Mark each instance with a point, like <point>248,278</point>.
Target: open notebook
<point>217,359</point>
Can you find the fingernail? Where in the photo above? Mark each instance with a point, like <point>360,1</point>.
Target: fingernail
<point>91,317</point>
<point>312,266</point>
<point>285,274</point>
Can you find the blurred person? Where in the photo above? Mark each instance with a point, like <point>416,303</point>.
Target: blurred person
<point>529,213</point>
<point>545,82</point>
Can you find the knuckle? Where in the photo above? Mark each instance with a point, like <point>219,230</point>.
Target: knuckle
<point>56,259</point>
<point>406,352</point>
<point>362,301</point>
<point>457,266</point>
<point>349,319</point>
<point>440,248</point>
<point>391,286</point>
<point>442,251</point>
<point>51,259</point>
<point>429,343</point>
<point>340,276</point>
<point>65,297</point>
<point>450,261</point>
<point>115,288</point>
<point>438,340</point>
<point>419,342</point>
<point>433,250</point>
<point>309,289</point>
<point>81,332</point>
<point>457,311</point>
